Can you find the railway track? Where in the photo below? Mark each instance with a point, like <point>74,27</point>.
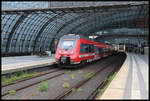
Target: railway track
<point>78,84</point>
<point>29,83</point>
<point>40,74</point>
<point>93,95</point>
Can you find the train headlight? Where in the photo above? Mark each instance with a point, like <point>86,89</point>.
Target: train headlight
<point>72,52</point>
<point>59,51</point>
<point>72,61</point>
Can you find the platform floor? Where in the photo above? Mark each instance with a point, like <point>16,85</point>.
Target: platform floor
<point>13,64</point>
<point>131,82</point>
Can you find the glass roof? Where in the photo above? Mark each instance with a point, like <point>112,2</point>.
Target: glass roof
<point>27,30</point>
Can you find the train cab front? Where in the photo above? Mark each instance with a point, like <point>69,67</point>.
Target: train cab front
<point>65,57</point>
<point>65,53</point>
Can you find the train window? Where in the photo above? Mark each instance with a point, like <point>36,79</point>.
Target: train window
<point>96,50</point>
<point>91,48</point>
<point>101,50</point>
<point>67,44</point>
<point>82,48</point>
<point>86,48</point>
<point>104,50</point>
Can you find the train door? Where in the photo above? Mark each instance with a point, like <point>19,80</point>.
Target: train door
<point>96,52</point>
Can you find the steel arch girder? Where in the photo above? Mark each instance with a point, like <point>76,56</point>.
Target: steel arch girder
<point>86,21</point>
<point>42,29</point>
<point>69,22</point>
<point>122,36</point>
<point>88,17</point>
<point>63,26</point>
<point>98,12</point>
<point>20,20</point>
<point>83,22</point>
<point>93,19</point>
<point>121,19</point>
<point>77,26</point>
<point>26,35</point>
<point>104,27</point>
<point>69,32</point>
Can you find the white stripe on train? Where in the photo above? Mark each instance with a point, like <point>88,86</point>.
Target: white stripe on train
<point>86,55</point>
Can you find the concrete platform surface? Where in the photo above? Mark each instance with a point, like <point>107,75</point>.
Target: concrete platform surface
<point>13,64</point>
<point>131,82</point>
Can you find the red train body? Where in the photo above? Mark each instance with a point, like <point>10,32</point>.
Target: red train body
<point>74,49</point>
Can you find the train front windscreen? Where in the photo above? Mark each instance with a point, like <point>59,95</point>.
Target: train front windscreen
<point>67,44</point>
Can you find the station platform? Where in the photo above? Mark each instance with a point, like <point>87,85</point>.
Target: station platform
<point>131,81</point>
<point>18,63</point>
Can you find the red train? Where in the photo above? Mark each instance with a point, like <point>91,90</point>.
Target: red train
<point>75,49</point>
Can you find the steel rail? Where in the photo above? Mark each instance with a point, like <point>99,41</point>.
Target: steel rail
<point>80,83</point>
<point>116,69</point>
<point>41,74</point>
<point>93,95</point>
<point>18,89</point>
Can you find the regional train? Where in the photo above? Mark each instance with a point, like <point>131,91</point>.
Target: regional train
<point>74,49</point>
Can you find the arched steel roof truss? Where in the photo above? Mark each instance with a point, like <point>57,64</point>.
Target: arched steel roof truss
<point>22,17</point>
